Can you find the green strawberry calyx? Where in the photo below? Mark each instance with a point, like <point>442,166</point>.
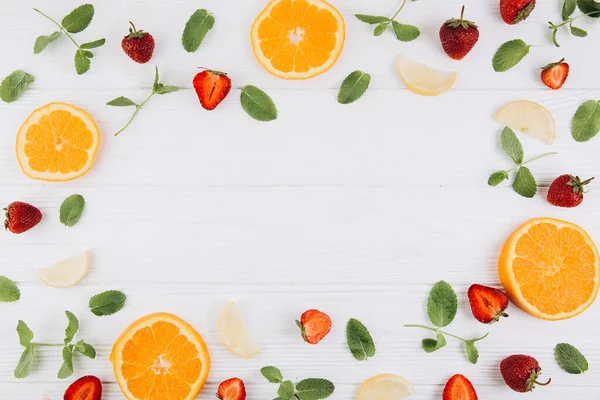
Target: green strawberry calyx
<point>460,22</point>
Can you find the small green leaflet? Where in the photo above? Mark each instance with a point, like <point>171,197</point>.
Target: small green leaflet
<point>524,183</point>
<point>159,88</point>
<point>196,29</point>
<point>372,19</point>
<point>570,359</point>
<point>511,145</point>
<point>107,303</point>
<point>472,352</point>
<point>82,62</point>
<point>568,9</point>
<point>431,345</point>
<point>314,389</point>
<point>71,209</point>
<point>353,87</point>
<point>13,86</point>
<point>575,31</point>
<point>272,374</point>
<point>286,390</point>
<point>85,349</point>
<point>78,19</point>
<point>586,121</point>
<point>258,104</point>
<point>9,292</point>
<point>94,44</point>
<point>43,41</point>
<point>379,29</point>
<point>66,369</point>
<point>442,304</point>
<point>25,334</point>
<point>589,7</point>
<point>25,364</point>
<point>72,328</point>
<point>359,340</point>
<point>497,178</point>
<point>509,55</point>
<point>404,32</point>
<point>121,102</point>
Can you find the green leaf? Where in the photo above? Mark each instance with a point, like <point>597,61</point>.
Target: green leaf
<point>314,389</point>
<point>286,390</point>
<point>272,374</point>
<point>85,349</point>
<point>511,145</point>
<point>25,334</point>
<point>258,104</point>
<point>196,29</point>
<point>372,19</point>
<point>442,304</point>
<point>107,303</point>
<point>71,209</point>
<point>13,86</point>
<point>82,62</point>
<point>431,345</point>
<point>589,7</point>
<point>359,340</point>
<point>570,359</point>
<point>121,102</point>
<point>554,40</point>
<point>72,328</point>
<point>94,44</point>
<point>66,369</point>
<point>404,32</point>
<point>78,19</point>
<point>472,352</point>
<point>379,29</point>
<point>155,85</point>
<point>9,292</point>
<point>353,87</point>
<point>509,55</point>
<point>43,41</point>
<point>497,178</point>
<point>578,31</point>
<point>568,9</point>
<point>25,364</point>
<point>586,121</point>
<point>524,183</point>
<point>162,89</point>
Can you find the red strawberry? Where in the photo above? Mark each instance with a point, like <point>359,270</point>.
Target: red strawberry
<point>458,36</point>
<point>515,11</point>
<point>567,191</point>
<point>554,75</point>
<point>85,388</point>
<point>315,325</point>
<point>211,87</point>
<point>459,388</point>
<point>487,304</point>
<point>232,389</point>
<point>520,372</point>
<point>138,45</point>
<point>21,217</point>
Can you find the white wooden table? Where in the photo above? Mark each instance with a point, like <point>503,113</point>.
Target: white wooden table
<point>356,210</point>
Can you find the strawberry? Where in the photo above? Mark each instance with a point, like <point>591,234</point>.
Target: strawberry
<point>555,74</point>
<point>85,388</point>
<point>21,217</point>
<point>520,372</point>
<point>487,304</point>
<point>138,45</point>
<point>459,387</point>
<point>315,325</point>
<point>458,36</point>
<point>515,11</point>
<point>567,191</point>
<point>232,389</point>
<point>211,87</point>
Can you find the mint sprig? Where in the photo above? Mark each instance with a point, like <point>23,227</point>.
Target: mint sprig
<point>589,8</point>
<point>403,32</point>
<point>306,389</point>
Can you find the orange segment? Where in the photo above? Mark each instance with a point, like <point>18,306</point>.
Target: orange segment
<point>550,268</point>
<point>298,39</point>
<point>57,142</point>
<point>160,357</point>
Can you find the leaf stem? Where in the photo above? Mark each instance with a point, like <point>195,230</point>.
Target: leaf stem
<point>60,26</point>
<point>46,344</point>
<point>538,157</point>
<point>437,330</point>
<point>399,9</point>
<point>138,107</point>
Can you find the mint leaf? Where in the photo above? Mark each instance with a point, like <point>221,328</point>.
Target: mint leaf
<point>586,121</point>
<point>72,328</point>
<point>25,364</point>
<point>379,29</point>
<point>431,345</point>
<point>589,7</point>
<point>25,334</point>
<point>314,389</point>
<point>497,178</point>
<point>94,44</point>
<point>13,86</point>
<point>258,104</point>
<point>570,359</point>
<point>78,19</point>
<point>272,374</point>
<point>509,54</point>
<point>353,87</point>
<point>107,303</point>
<point>359,340</point>
<point>511,145</point>
<point>568,9</point>
<point>85,349</point>
<point>372,19</point>
<point>472,352</point>
<point>405,33</point>
<point>66,369</point>
<point>286,390</point>
<point>71,209</point>
<point>196,29</point>
<point>121,102</point>
<point>442,304</point>
<point>155,85</point>
<point>524,183</point>
<point>43,41</point>
<point>162,89</point>
<point>578,31</point>
<point>82,62</point>
<point>9,292</point>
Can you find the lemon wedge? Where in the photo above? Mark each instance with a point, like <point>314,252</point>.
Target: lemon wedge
<point>424,80</point>
<point>385,387</point>
<point>530,118</point>
<point>234,334</point>
<point>66,273</point>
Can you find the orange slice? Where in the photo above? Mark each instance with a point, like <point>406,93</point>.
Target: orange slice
<point>550,268</point>
<point>298,39</point>
<point>160,357</point>
<point>57,142</point>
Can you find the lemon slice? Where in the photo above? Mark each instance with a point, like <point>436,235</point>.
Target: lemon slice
<point>234,334</point>
<point>530,118</point>
<point>385,387</point>
<point>424,80</point>
<point>66,273</point>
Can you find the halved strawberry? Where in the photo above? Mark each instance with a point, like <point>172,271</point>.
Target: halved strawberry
<point>555,74</point>
<point>85,388</point>
<point>459,388</point>
<point>211,87</point>
<point>232,389</point>
<point>487,304</point>
<point>314,325</point>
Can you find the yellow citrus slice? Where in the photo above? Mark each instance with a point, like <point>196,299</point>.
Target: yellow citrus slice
<point>66,273</point>
<point>385,387</point>
<point>298,39</point>
<point>57,142</point>
<point>424,80</point>
<point>160,356</point>
<point>234,333</point>
<point>550,268</point>
<point>530,118</point>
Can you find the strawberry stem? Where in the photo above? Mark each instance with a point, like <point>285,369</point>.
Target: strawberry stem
<point>462,12</point>
<point>543,384</point>
<point>133,26</point>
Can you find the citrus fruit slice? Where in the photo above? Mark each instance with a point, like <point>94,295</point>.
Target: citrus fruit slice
<point>298,39</point>
<point>160,356</point>
<point>385,387</point>
<point>66,273</point>
<point>57,142</point>
<point>530,118</point>
<point>424,80</point>
<point>234,333</point>
<point>550,268</point>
